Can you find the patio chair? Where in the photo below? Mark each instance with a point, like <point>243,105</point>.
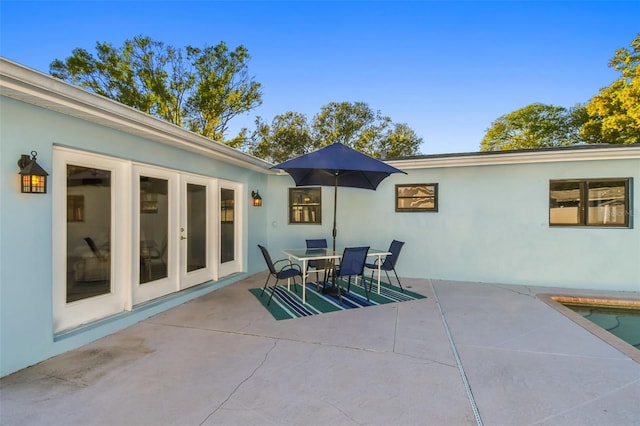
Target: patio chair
<point>352,265</point>
<point>290,270</point>
<point>389,263</point>
<point>317,265</point>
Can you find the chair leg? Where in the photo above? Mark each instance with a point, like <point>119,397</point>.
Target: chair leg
<point>265,285</point>
<point>273,290</point>
<point>364,284</point>
<point>399,283</point>
<point>340,289</point>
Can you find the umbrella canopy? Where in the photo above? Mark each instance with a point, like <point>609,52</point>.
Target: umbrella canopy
<point>337,165</point>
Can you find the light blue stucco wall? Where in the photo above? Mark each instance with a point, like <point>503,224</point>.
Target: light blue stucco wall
<point>491,226</point>
<point>26,326</point>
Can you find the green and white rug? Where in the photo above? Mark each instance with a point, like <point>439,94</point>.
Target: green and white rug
<point>288,304</point>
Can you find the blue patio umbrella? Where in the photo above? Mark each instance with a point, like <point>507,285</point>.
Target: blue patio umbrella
<point>337,165</point>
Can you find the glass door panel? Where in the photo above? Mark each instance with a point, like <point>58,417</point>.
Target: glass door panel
<point>154,228</point>
<point>197,227</point>
<point>227,225</point>
<point>195,238</point>
<point>88,232</point>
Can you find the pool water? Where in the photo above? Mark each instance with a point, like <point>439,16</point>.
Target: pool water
<point>623,323</point>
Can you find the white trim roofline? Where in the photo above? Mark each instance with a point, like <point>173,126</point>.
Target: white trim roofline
<point>33,87</point>
<point>36,88</point>
<point>543,155</point>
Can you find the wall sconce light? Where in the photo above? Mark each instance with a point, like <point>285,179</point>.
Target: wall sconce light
<point>257,199</point>
<point>33,177</point>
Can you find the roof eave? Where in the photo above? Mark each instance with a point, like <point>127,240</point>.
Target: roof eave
<point>601,152</point>
<point>30,86</point>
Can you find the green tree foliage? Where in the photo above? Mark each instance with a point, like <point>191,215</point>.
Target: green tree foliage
<point>401,142</point>
<point>288,136</point>
<point>535,126</point>
<point>353,124</point>
<point>200,89</point>
<point>615,111</point>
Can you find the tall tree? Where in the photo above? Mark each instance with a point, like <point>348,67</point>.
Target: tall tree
<point>200,89</point>
<point>401,142</point>
<point>353,124</point>
<point>615,111</point>
<point>535,126</point>
<point>288,136</point>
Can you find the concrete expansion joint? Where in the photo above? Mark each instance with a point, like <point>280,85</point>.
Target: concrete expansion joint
<point>242,382</point>
<point>586,403</point>
<point>463,375</point>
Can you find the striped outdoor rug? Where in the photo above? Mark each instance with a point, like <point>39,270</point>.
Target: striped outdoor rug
<point>288,304</point>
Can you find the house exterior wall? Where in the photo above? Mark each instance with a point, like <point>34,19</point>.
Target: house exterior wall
<point>492,225</point>
<point>26,246</point>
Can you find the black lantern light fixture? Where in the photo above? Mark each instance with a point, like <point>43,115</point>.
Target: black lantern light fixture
<point>257,199</point>
<point>33,178</point>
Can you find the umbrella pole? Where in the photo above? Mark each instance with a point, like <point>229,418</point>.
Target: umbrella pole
<point>335,208</point>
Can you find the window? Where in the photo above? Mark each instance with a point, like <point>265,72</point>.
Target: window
<point>417,197</point>
<point>305,205</point>
<point>589,202</point>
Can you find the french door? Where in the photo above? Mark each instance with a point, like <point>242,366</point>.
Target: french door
<point>196,238</point>
<point>155,220</point>
<point>126,233</point>
<point>173,230</point>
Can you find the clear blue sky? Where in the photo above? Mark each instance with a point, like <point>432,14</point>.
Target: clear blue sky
<point>446,69</point>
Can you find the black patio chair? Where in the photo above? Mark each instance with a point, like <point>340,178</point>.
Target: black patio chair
<point>290,270</point>
<point>389,263</point>
<point>352,265</point>
<point>317,265</point>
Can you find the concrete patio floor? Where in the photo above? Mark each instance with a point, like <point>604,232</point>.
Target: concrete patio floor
<point>222,359</point>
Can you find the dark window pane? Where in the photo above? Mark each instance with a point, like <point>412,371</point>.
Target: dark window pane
<point>564,203</point>
<point>88,232</point>
<point>305,205</point>
<point>607,203</point>
<point>417,197</point>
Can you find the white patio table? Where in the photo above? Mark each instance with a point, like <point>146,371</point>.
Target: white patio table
<point>305,255</point>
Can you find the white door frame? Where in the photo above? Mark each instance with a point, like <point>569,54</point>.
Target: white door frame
<point>189,279</point>
<point>154,289</point>
<point>236,265</point>
<point>72,314</point>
